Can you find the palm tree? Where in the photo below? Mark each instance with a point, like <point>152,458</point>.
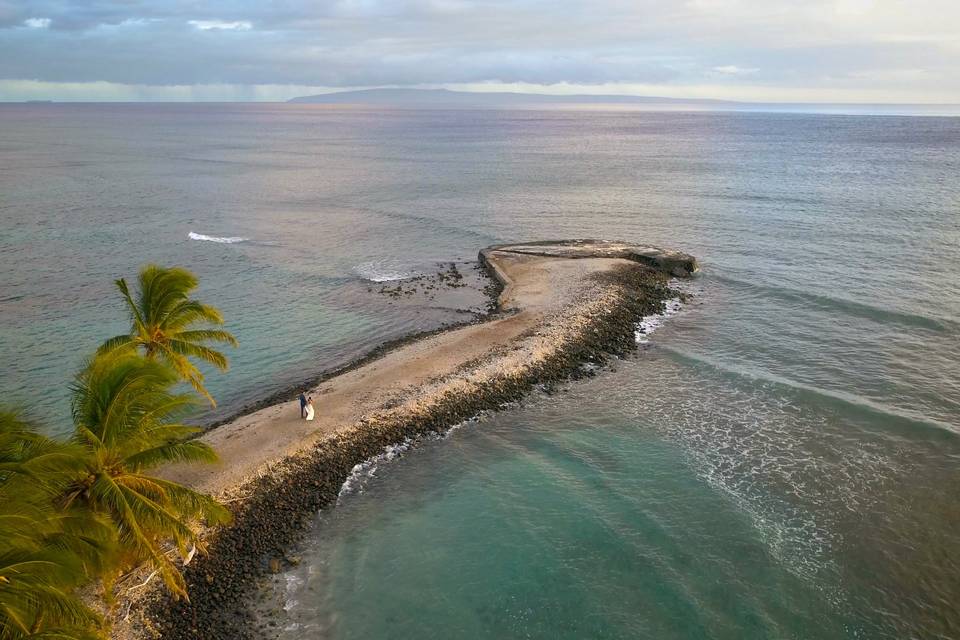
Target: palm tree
<point>163,318</point>
<point>126,423</point>
<point>37,583</point>
<point>46,554</point>
<point>74,511</point>
<point>39,574</point>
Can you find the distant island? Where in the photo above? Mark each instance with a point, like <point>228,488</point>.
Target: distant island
<point>449,99</point>
<point>446,97</point>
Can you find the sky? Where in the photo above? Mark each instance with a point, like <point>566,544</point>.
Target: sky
<point>874,51</point>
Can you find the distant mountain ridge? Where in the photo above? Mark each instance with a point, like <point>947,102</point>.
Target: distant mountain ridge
<point>447,97</point>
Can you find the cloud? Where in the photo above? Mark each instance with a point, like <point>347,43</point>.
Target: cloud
<point>905,51</point>
<point>221,25</point>
<point>734,70</point>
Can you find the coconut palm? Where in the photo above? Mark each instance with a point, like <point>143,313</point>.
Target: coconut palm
<point>37,598</point>
<point>46,553</point>
<point>24,453</point>
<point>164,324</point>
<point>39,572</point>
<point>126,423</point>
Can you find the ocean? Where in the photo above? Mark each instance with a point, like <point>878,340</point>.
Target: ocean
<point>780,459</point>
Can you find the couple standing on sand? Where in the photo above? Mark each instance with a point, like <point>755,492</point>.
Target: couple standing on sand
<point>306,407</point>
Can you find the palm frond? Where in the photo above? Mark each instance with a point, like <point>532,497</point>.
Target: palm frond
<point>186,370</point>
<point>132,308</point>
<point>205,335</point>
<point>115,390</point>
<point>32,609</point>
<point>173,452</point>
<point>137,525</point>
<point>189,312</point>
<point>162,289</point>
<point>206,354</point>
<point>164,317</point>
<point>195,503</point>
<point>124,341</point>
<point>36,591</point>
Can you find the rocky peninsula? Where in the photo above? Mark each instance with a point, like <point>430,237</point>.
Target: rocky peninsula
<point>564,308</point>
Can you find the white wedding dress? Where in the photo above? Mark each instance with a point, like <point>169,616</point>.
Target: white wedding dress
<point>309,412</point>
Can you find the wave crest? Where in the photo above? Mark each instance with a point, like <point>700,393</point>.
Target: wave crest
<point>835,304</point>
<point>649,324</point>
<point>220,240</point>
<point>382,271</point>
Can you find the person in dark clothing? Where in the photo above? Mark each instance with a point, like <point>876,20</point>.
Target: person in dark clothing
<point>303,405</point>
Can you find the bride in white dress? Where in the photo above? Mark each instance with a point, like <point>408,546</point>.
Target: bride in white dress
<point>310,409</point>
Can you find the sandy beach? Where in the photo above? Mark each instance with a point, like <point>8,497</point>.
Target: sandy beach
<point>563,304</point>
<point>540,283</point>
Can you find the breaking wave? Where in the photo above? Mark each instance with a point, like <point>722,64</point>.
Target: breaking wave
<point>649,324</point>
<point>217,239</point>
<point>671,307</point>
<point>368,468</point>
<point>382,271</point>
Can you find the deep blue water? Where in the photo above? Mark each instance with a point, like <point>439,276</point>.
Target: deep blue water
<point>780,461</point>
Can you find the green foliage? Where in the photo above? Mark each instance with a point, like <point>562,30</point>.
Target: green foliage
<point>126,423</point>
<point>46,552</point>
<point>164,320</point>
<point>82,510</point>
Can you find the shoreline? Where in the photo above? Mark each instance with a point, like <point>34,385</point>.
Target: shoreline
<point>492,291</point>
<point>563,304</point>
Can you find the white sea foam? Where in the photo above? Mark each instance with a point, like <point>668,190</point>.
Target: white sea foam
<point>362,472</point>
<point>292,587</point>
<point>779,461</point>
<point>649,324</point>
<point>466,422</point>
<point>220,240</point>
<point>741,442</point>
<point>382,271</point>
<point>739,445</point>
<point>367,469</point>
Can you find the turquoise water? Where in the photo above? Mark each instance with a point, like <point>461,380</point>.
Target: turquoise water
<point>667,498</point>
<point>779,461</point>
<point>546,524</point>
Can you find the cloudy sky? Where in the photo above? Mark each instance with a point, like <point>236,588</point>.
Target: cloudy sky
<point>770,50</point>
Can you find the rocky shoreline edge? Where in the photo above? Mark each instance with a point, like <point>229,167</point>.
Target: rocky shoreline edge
<point>275,510</point>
